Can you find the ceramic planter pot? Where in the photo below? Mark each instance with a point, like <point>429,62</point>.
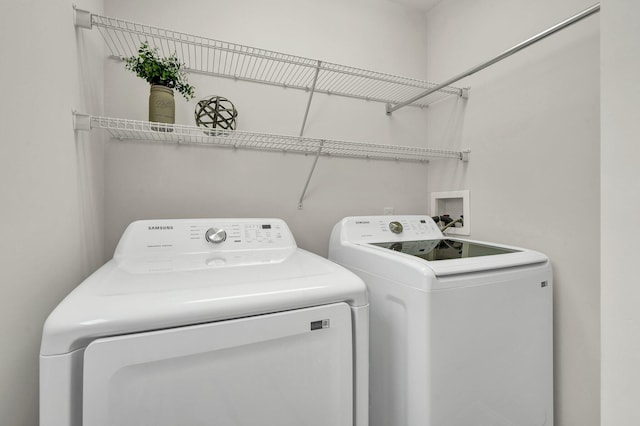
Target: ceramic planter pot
<point>162,106</point>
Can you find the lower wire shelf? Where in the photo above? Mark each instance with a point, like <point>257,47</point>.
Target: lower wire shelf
<point>125,129</point>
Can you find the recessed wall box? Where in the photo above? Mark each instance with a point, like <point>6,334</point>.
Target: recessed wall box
<point>454,204</point>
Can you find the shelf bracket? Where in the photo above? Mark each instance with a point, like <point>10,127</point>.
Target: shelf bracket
<point>82,18</point>
<point>464,155</point>
<point>81,121</point>
<point>313,167</point>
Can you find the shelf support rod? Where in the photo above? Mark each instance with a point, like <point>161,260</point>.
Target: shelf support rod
<point>313,167</point>
<point>304,122</point>
<point>562,25</point>
<point>313,89</point>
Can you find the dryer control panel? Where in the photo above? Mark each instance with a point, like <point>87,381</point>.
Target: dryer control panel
<point>190,236</point>
<point>372,229</point>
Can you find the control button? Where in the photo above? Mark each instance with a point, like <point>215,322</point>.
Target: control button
<point>215,235</point>
<point>396,227</point>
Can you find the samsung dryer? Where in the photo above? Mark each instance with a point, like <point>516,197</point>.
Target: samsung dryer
<point>208,322</point>
<point>460,330</point>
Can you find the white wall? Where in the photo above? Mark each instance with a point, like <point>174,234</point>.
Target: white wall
<point>620,185</point>
<point>51,186</point>
<point>147,181</point>
<point>532,123</point>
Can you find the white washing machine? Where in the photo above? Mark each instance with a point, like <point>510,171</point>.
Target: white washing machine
<point>460,331</point>
<point>213,322</point>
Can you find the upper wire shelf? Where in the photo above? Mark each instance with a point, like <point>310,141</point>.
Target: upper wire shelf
<point>125,129</point>
<point>231,60</point>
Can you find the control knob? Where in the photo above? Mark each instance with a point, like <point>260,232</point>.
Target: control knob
<point>215,235</point>
<point>396,227</point>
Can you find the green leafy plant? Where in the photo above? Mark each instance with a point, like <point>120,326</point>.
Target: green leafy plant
<point>169,72</point>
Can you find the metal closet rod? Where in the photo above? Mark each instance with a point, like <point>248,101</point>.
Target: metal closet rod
<point>562,25</point>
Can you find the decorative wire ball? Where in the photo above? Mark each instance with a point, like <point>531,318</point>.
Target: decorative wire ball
<point>216,112</point>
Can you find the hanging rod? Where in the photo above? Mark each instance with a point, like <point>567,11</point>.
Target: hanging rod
<point>562,25</point>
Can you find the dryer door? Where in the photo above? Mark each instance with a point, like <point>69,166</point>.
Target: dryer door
<point>290,368</point>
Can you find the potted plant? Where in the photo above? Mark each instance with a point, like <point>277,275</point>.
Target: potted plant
<point>164,75</point>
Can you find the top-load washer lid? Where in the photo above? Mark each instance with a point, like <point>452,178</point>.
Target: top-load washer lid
<point>445,249</point>
<point>417,242</point>
<point>170,273</point>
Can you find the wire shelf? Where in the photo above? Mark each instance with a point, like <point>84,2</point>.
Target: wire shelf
<point>231,60</point>
<point>125,129</point>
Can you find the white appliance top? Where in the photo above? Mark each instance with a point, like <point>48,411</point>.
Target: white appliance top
<point>416,241</point>
<point>169,273</point>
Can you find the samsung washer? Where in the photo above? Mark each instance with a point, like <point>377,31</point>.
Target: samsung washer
<point>460,330</point>
<point>208,322</point>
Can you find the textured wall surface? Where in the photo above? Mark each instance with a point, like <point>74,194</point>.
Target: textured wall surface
<point>620,207</point>
<point>51,183</point>
<point>155,181</point>
<point>532,123</point>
